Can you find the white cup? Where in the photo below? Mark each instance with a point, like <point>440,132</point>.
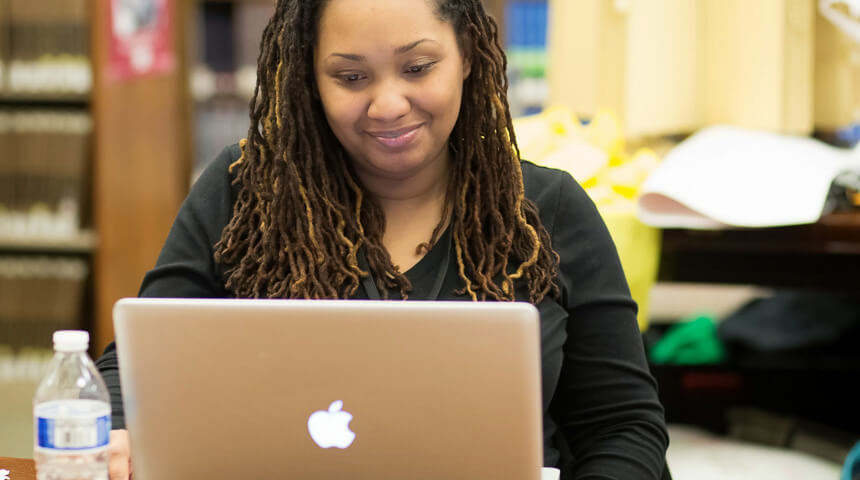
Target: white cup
<point>549,473</point>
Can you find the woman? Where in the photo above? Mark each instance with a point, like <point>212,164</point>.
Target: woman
<point>381,163</point>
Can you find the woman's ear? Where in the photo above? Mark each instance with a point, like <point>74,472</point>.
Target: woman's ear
<point>466,49</point>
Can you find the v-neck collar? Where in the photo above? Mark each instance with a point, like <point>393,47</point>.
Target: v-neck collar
<point>437,259</point>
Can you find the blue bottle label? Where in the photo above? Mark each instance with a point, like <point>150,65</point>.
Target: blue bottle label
<point>73,433</point>
<point>76,425</point>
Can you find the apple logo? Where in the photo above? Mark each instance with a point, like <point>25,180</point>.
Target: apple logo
<point>331,428</point>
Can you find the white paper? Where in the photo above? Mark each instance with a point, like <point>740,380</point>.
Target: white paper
<point>695,454</point>
<point>549,473</point>
<point>729,176</point>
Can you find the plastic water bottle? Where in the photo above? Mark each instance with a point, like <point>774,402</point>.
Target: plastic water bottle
<point>71,413</point>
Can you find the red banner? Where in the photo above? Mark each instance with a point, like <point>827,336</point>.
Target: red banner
<point>140,38</point>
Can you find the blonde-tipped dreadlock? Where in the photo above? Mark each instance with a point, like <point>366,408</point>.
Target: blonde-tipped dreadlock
<point>301,216</point>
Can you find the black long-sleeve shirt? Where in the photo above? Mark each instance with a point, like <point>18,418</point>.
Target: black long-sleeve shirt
<point>600,401</point>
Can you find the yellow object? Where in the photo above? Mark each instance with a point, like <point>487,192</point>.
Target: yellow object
<point>605,132</point>
<point>539,135</point>
<point>639,248</point>
<point>595,156</point>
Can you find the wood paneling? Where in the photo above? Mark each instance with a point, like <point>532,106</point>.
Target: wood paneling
<point>141,168</point>
<point>19,468</point>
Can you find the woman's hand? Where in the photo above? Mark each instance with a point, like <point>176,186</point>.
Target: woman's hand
<point>119,467</point>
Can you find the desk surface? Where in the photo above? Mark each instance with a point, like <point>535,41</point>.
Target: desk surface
<point>25,469</point>
<point>19,468</point>
<point>822,255</point>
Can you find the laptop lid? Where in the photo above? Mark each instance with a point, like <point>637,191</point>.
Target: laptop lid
<point>314,389</point>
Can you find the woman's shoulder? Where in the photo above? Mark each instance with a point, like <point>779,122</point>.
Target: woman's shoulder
<point>539,174</point>
<point>232,152</point>
<point>217,177</point>
<point>223,166</point>
<point>211,198</point>
<point>547,186</point>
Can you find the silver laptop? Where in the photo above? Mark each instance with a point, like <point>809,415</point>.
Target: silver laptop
<point>306,389</point>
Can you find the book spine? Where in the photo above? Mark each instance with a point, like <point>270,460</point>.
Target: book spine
<point>5,40</point>
<point>39,295</point>
<point>48,47</point>
<point>43,172</point>
<point>6,171</point>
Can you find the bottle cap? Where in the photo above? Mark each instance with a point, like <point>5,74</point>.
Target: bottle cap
<point>71,340</point>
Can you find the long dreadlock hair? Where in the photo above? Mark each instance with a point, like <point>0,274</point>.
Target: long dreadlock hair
<point>302,216</point>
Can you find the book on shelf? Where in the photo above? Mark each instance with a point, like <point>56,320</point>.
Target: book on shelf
<point>29,364</point>
<point>250,21</point>
<point>7,163</point>
<point>225,63</point>
<point>218,50</point>
<point>43,172</point>
<point>219,122</point>
<point>4,42</point>
<point>225,74</point>
<point>39,295</point>
<point>47,47</point>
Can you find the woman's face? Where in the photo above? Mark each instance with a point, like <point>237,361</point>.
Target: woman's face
<point>390,76</point>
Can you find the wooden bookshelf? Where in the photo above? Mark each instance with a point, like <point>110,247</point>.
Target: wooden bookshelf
<point>141,166</point>
<point>139,155</point>
<point>44,167</point>
<point>79,101</point>
<point>84,242</point>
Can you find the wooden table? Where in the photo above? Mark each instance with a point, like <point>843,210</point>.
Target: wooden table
<point>19,468</point>
<point>822,255</point>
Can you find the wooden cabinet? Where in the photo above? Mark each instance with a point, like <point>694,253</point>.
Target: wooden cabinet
<point>812,384</point>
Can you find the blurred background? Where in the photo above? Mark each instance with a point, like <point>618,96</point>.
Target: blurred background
<point>717,138</point>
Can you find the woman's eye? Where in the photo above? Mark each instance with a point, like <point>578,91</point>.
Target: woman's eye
<point>415,69</point>
<point>350,78</point>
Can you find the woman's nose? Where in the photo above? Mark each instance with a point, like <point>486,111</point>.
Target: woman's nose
<point>389,102</point>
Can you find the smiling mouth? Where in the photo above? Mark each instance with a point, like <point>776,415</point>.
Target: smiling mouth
<point>397,138</point>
